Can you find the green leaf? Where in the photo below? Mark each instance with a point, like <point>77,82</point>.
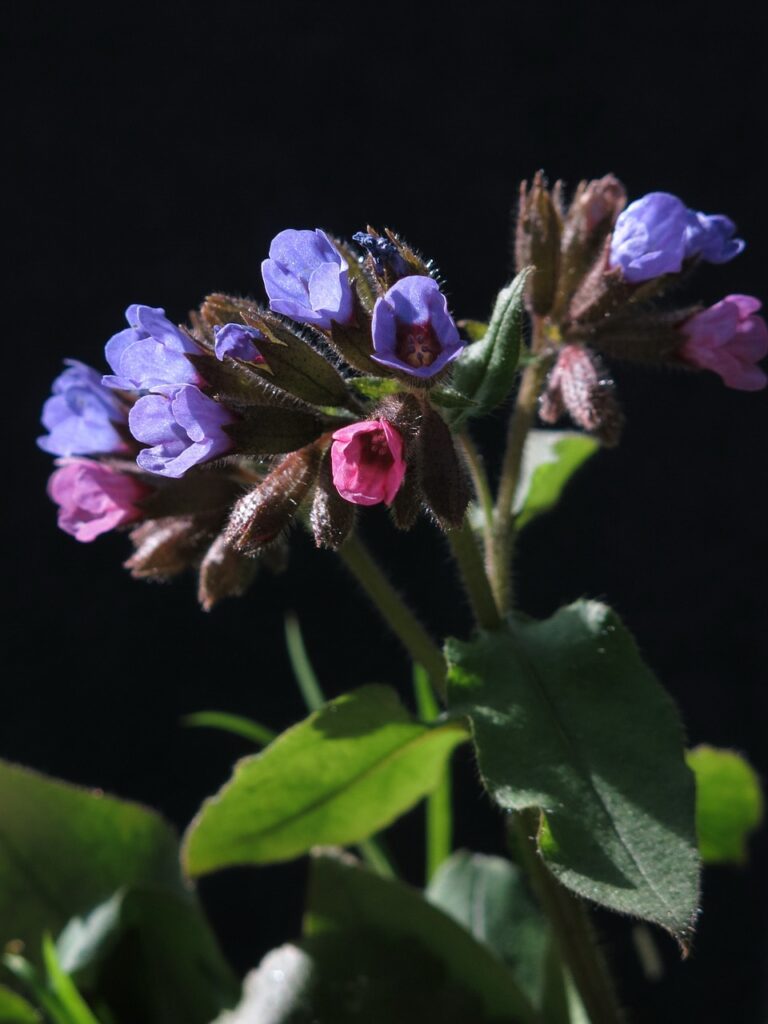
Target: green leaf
<point>550,460</point>
<point>375,387</point>
<point>568,718</point>
<point>63,988</point>
<point>15,1010</point>
<point>416,962</point>
<point>729,804</point>
<point>450,398</point>
<point>490,898</point>
<point>485,371</point>
<point>236,724</point>
<point>65,851</point>
<point>345,772</point>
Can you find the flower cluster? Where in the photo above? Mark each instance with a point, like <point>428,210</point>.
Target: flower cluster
<point>208,439</point>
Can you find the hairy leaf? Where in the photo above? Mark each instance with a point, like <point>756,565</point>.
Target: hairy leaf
<point>550,460</point>
<point>567,718</point>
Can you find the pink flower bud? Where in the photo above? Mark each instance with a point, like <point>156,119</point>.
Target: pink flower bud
<point>93,498</point>
<point>730,340</point>
<point>367,462</point>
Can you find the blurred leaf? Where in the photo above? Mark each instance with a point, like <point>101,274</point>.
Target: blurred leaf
<point>729,804</point>
<point>485,371</point>
<point>490,898</point>
<point>550,460</point>
<point>375,387</point>
<point>475,330</point>
<point>406,959</point>
<point>236,724</point>
<point>278,991</point>
<point>15,1010</point>
<point>568,718</point>
<point>345,772</point>
<point>450,398</point>
<point>67,853</point>
<point>63,988</point>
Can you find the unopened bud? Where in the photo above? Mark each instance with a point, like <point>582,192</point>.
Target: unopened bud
<point>639,336</point>
<point>579,384</point>
<point>165,547</point>
<point>224,572</point>
<point>537,243</point>
<point>591,216</point>
<point>260,516</point>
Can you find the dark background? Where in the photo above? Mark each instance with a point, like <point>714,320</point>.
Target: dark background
<point>154,155</point>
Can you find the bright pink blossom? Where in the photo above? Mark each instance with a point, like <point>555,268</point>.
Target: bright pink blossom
<point>367,462</point>
<point>93,498</point>
<point>730,340</point>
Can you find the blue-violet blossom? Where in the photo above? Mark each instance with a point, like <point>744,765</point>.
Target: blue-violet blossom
<point>656,233</point>
<point>151,352</point>
<point>306,278</point>
<point>237,340</point>
<point>82,416</point>
<point>412,329</point>
<point>183,426</point>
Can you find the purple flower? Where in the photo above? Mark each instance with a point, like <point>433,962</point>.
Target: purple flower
<point>306,278</point>
<point>151,352</point>
<point>183,426</point>
<point>94,498</point>
<point>83,416</point>
<point>656,233</point>
<point>649,237</point>
<point>710,237</point>
<point>412,329</point>
<point>237,340</point>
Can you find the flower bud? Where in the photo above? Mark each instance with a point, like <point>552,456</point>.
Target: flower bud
<point>93,498</point>
<point>579,385</point>
<point>224,572</point>
<point>307,279</point>
<point>260,516</point>
<point>165,547</point>
<point>537,243</point>
<point>82,416</point>
<point>151,352</point>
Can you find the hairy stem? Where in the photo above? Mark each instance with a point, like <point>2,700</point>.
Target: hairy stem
<point>571,926</point>
<point>473,575</point>
<point>395,612</point>
<point>482,490</point>
<point>520,423</point>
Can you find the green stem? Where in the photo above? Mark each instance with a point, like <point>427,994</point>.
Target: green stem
<point>520,423</point>
<point>439,809</point>
<point>302,667</point>
<point>375,856</point>
<point>395,612</point>
<point>482,490</point>
<point>474,577</point>
<point>571,925</point>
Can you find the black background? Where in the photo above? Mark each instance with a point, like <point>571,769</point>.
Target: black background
<point>154,156</point>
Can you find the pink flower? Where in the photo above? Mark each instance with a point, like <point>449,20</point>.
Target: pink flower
<point>730,340</point>
<point>367,462</point>
<point>93,498</point>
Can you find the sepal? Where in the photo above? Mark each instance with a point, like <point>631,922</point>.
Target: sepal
<point>224,572</point>
<point>167,546</point>
<point>274,430</point>
<point>332,518</point>
<point>537,243</point>
<point>444,480</point>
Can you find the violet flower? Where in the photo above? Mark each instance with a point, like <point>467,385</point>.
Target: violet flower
<point>149,353</point>
<point>710,237</point>
<point>82,416</point>
<point>93,498</point>
<point>729,339</point>
<point>237,340</point>
<point>307,279</point>
<point>367,462</point>
<point>657,233</point>
<point>412,329</point>
<point>183,426</point>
